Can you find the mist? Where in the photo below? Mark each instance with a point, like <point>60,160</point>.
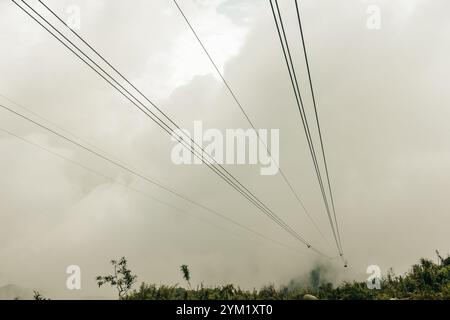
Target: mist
<point>383,101</point>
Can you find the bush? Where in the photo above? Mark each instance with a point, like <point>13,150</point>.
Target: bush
<point>425,280</point>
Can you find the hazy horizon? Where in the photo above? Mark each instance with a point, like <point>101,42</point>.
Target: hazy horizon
<point>383,105</point>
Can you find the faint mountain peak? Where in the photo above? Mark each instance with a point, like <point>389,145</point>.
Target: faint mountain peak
<point>12,291</point>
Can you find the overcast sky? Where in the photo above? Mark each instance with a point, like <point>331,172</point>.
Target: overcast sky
<point>383,103</point>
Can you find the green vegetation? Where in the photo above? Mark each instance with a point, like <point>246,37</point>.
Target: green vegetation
<point>36,296</point>
<point>122,279</point>
<point>425,280</point>
<point>186,274</point>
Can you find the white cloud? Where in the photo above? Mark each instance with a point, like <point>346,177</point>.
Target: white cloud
<point>382,103</point>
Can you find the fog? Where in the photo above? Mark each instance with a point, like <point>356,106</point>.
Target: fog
<point>383,105</point>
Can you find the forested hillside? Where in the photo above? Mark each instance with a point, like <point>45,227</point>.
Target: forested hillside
<point>425,280</point>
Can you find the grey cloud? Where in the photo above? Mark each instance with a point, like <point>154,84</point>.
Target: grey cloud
<point>382,100</point>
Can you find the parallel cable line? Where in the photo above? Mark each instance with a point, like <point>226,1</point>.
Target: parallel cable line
<point>225,82</point>
<point>126,186</point>
<point>264,207</point>
<point>292,74</point>
<point>48,121</point>
<point>133,172</point>
<point>163,125</point>
<point>237,186</point>
<point>140,92</point>
<point>317,120</point>
<point>194,152</point>
<point>303,115</point>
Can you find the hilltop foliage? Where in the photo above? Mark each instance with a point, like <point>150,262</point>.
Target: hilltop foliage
<point>425,280</point>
